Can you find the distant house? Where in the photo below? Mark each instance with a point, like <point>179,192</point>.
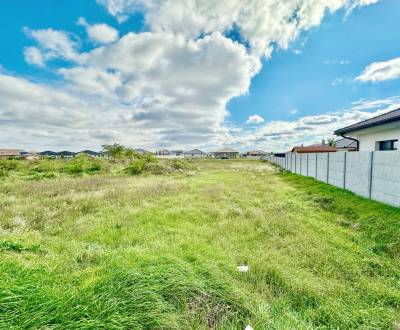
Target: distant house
<point>67,154</point>
<point>226,153</point>
<point>10,153</point>
<point>346,145</point>
<point>49,154</point>
<point>255,154</point>
<point>195,153</point>
<point>30,155</point>
<point>313,149</point>
<point>378,133</point>
<point>177,152</point>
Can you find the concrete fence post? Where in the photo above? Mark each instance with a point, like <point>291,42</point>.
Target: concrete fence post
<point>327,168</point>
<point>307,164</point>
<point>371,169</point>
<point>295,163</point>
<point>316,166</point>
<point>344,170</point>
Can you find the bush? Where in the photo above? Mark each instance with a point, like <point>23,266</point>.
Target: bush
<point>9,164</point>
<point>135,167</point>
<point>181,164</point>
<point>82,164</point>
<point>44,165</point>
<point>158,168</point>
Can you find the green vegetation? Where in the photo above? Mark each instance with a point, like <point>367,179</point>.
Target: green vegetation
<point>99,248</point>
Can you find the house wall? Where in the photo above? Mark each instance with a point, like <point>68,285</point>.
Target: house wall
<point>193,155</point>
<point>374,175</point>
<point>370,136</point>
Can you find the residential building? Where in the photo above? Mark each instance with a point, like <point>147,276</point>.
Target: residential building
<point>379,133</point>
<point>313,149</point>
<point>10,153</point>
<point>195,153</point>
<point>49,154</point>
<point>226,153</point>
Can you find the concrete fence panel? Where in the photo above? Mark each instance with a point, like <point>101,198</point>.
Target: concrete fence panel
<point>336,169</point>
<point>374,175</point>
<point>322,167</point>
<point>385,186</point>
<point>304,164</point>
<point>312,165</point>
<point>358,171</point>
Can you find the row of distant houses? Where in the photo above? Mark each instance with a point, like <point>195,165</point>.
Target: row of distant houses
<point>32,155</point>
<point>225,153</point>
<point>380,133</point>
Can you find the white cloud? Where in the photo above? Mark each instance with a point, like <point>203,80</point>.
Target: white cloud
<point>283,135</point>
<point>293,111</point>
<point>261,23</point>
<point>255,119</point>
<point>381,71</point>
<point>34,56</point>
<point>99,33</point>
<point>52,44</point>
<point>168,86</point>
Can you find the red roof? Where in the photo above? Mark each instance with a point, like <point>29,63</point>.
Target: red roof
<point>313,149</point>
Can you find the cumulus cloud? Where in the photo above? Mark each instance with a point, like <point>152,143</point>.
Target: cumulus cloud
<point>51,44</point>
<point>34,56</point>
<point>283,135</point>
<point>261,23</point>
<point>381,71</point>
<point>169,85</point>
<point>99,33</point>
<point>255,119</point>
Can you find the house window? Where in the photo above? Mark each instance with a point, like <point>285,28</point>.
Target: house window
<point>387,145</point>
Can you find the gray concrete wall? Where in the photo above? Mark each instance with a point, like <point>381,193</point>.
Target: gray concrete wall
<point>304,164</point>
<point>386,177</point>
<point>336,169</point>
<point>357,172</point>
<point>322,167</point>
<point>374,175</point>
<point>312,165</point>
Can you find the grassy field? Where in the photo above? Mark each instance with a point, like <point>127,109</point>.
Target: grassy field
<point>107,251</point>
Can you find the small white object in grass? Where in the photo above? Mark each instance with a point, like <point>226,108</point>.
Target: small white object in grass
<point>243,269</point>
<point>249,327</point>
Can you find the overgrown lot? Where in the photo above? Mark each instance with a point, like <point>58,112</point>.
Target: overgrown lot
<point>106,249</point>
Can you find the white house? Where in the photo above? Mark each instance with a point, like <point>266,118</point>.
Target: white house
<point>195,153</point>
<point>378,133</point>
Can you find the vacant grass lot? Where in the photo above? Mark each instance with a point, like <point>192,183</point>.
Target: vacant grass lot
<point>160,252</point>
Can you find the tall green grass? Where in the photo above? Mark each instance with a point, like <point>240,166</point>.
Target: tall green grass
<point>150,251</point>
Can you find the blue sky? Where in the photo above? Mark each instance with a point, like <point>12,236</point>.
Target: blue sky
<point>79,74</point>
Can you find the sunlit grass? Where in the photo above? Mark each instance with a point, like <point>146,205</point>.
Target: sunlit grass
<point>161,252</point>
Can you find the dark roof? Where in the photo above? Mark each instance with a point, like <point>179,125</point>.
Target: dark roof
<point>345,143</point>
<point>49,153</point>
<point>387,117</point>
<point>313,149</point>
<point>67,153</point>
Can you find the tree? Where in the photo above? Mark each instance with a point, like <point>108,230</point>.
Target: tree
<point>115,150</point>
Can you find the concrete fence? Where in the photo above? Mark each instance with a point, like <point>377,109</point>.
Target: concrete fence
<point>374,175</point>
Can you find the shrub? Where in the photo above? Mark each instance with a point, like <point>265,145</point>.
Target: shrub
<point>9,164</point>
<point>181,164</point>
<point>158,168</point>
<point>135,167</point>
<point>44,165</point>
